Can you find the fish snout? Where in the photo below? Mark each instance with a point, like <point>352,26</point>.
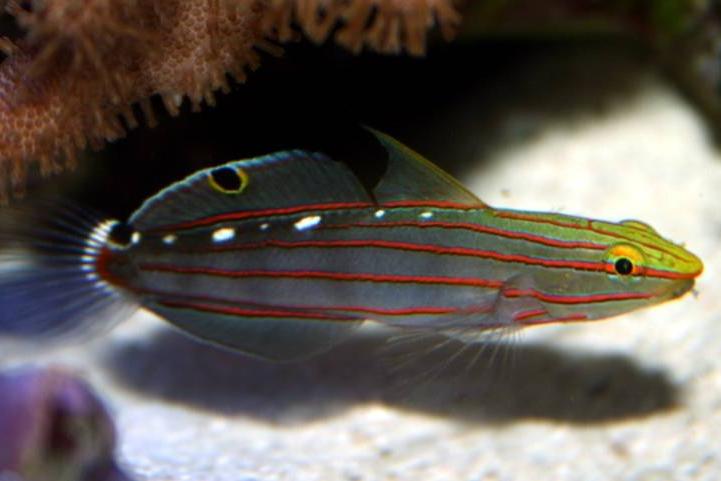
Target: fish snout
<point>695,266</point>
<point>682,288</point>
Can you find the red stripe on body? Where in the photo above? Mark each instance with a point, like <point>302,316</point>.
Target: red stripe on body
<point>334,276</point>
<point>389,278</point>
<point>576,299</point>
<point>533,218</point>
<point>588,227</point>
<point>253,214</point>
<point>510,234</point>
<point>299,314</point>
<point>239,311</point>
<point>461,251</point>
<point>439,204</point>
<point>548,320</point>
<point>361,309</point>
<point>394,312</point>
<point>525,317</point>
<point>319,208</point>
<point>521,316</point>
<point>410,246</point>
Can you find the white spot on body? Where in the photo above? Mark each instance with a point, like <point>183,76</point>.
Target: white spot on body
<point>223,234</point>
<point>307,222</point>
<point>264,226</point>
<point>170,239</point>
<point>379,213</point>
<point>135,238</point>
<point>426,215</point>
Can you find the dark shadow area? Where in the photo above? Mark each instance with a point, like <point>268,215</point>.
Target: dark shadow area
<point>457,106</point>
<point>502,384</point>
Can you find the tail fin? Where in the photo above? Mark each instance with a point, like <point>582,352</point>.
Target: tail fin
<point>49,288</point>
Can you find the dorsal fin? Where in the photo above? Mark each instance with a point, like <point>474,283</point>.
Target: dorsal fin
<point>410,176</point>
<point>284,179</point>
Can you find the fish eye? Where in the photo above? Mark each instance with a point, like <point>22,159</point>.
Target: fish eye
<point>122,236</point>
<point>228,180</point>
<point>625,261</point>
<point>623,266</point>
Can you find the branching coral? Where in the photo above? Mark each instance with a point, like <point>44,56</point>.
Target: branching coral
<point>83,65</point>
<point>387,26</point>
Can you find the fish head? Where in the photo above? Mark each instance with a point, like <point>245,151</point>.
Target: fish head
<point>633,267</point>
<point>652,257</point>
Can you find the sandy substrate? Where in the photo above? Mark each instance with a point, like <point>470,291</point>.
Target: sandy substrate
<point>634,398</point>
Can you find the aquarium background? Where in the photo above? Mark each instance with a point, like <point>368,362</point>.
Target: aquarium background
<point>590,127</point>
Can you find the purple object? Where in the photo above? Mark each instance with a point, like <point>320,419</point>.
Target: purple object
<point>54,428</point>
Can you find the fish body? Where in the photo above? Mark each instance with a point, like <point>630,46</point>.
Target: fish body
<point>282,256</point>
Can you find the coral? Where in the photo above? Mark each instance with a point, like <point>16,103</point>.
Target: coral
<point>74,78</point>
<point>387,26</point>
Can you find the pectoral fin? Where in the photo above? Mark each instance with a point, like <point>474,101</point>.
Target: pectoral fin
<point>512,306</point>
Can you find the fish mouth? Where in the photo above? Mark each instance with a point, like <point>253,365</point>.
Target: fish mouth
<point>680,289</point>
<point>693,265</point>
<point>696,266</point>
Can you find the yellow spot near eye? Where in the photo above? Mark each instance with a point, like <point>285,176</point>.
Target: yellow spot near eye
<point>625,251</point>
<point>228,179</point>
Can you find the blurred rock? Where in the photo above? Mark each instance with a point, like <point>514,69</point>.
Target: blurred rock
<point>54,428</point>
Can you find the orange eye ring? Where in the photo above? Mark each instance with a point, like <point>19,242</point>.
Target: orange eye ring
<point>625,261</point>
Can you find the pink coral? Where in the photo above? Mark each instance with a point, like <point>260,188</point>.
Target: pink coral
<point>74,78</point>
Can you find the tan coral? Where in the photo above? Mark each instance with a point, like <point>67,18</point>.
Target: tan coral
<point>74,78</point>
<point>386,26</point>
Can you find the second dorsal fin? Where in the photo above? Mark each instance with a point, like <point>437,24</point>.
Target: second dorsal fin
<point>410,176</point>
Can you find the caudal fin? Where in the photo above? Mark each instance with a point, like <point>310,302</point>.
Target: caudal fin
<point>49,288</point>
